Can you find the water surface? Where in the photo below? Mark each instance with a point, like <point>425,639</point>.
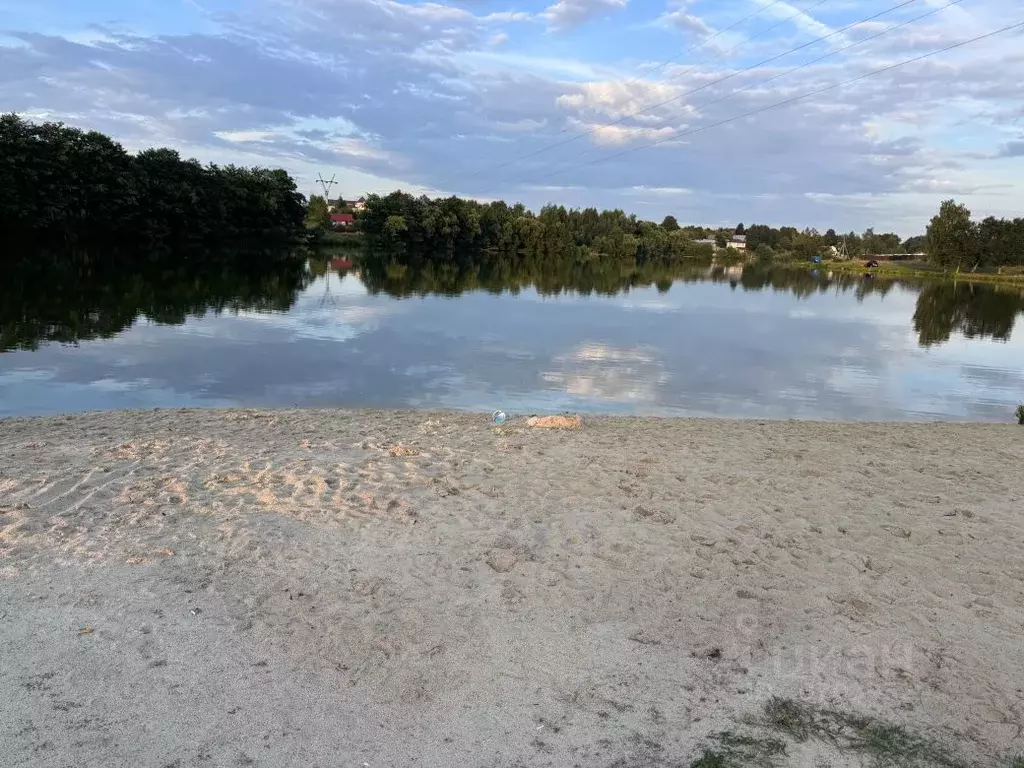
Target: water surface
<point>735,343</point>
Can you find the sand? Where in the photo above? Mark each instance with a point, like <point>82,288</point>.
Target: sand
<point>356,588</point>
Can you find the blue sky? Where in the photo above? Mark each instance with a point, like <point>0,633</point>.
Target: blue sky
<point>557,100</point>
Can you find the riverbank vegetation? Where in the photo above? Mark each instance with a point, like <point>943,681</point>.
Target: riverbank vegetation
<point>71,197</point>
<point>416,230</point>
<point>957,243</point>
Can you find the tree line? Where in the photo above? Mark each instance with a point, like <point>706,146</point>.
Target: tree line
<point>80,197</point>
<point>956,242</point>
<point>457,230</point>
<point>460,230</point>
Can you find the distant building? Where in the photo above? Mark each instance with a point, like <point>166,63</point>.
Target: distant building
<point>342,220</point>
<point>705,241</point>
<point>739,242</point>
<point>355,205</point>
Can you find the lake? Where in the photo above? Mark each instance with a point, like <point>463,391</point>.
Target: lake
<point>708,341</point>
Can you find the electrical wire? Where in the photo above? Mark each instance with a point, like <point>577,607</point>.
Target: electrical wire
<point>812,62</point>
<point>792,100</point>
<point>662,103</point>
<point>689,69</point>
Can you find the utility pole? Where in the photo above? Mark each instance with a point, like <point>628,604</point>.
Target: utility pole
<point>843,252</point>
<point>327,186</point>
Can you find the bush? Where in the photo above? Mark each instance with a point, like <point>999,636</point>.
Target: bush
<point>1020,413</point>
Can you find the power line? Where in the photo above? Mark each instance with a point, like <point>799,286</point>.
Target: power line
<point>685,71</point>
<point>707,40</point>
<point>820,59</point>
<point>705,86</point>
<point>702,43</point>
<point>792,100</point>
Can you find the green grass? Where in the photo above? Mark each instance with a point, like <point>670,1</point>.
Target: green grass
<point>736,750</point>
<point>886,745</point>
<point>1010,276</point>
<point>877,743</point>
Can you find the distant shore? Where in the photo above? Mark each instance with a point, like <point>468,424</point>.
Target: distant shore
<point>911,269</point>
<point>337,587</point>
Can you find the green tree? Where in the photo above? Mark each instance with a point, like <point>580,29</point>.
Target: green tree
<point>952,237</point>
<point>317,215</point>
<point>721,240</point>
<point>80,198</point>
<point>669,224</point>
<point>739,229</point>
<point>915,244</point>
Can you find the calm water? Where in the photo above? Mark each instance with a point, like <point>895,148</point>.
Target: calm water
<point>711,343</point>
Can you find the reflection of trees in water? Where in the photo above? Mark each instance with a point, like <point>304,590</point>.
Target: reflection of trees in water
<point>942,307</point>
<point>69,307</point>
<point>604,277</point>
<point>973,310</point>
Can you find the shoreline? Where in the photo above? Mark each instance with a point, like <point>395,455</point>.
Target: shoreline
<point>329,586</point>
<point>483,418</point>
<point>892,270</point>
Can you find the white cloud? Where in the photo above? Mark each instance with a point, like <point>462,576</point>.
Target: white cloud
<point>567,14</point>
<point>686,22</point>
<point>244,136</point>
<point>665,191</point>
<point>356,147</point>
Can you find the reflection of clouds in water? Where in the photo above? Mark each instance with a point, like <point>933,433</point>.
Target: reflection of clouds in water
<point>600,372</point>
<point>593,352</point>
<point>22,395</point>
<point>650,305</point>
<point>896,379</point>
<point>24,376</point>
<point>328,323</point>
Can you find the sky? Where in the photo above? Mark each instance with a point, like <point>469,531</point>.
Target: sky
<point>714,111</point>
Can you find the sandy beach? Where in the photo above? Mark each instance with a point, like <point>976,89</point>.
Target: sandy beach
<point>369,588</point>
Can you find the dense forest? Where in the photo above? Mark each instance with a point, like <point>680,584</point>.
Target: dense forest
<point>79,197</point>
<point>452,229</point>
<point>414,230</point>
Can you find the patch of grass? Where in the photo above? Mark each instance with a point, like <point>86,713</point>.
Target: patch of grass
<point>886,745</point>
<point>737,750</point>
<point>1019,413</point>
<point>919,269</point>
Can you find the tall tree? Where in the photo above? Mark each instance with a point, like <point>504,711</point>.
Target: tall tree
<point>317,214</point>
<point>952,237</point>
<point>669,223</point>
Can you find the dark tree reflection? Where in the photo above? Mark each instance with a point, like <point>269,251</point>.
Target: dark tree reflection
<point>73,306</point>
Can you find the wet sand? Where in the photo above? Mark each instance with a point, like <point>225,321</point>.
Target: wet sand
<point>348,588</point>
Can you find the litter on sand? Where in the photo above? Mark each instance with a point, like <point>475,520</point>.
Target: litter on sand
<point>555,422</point>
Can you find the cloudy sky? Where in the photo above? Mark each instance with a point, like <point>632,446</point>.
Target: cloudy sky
<point>557,100</point>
